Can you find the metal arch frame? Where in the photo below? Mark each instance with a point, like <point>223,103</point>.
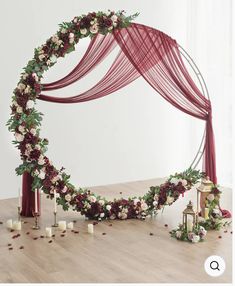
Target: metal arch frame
<point>205,92</point>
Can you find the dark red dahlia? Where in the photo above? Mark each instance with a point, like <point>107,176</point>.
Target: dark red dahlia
<point>35,154</point>
<point>85,22</point>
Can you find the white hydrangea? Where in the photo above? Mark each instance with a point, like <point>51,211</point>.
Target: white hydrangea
<point>30,104</point>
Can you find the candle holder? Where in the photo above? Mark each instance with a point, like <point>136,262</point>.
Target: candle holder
<point>36,224</point>
<point>55,220</point>
<point>18,211</point>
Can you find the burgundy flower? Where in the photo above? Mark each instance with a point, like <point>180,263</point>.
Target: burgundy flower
<point>35,154</point>
<point>85,22</point>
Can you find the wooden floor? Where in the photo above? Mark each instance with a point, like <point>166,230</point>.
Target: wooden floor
<point>122,252</point>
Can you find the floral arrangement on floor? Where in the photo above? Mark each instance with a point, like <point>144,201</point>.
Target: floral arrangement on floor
<point>25,123</point>
<point>214,221</point>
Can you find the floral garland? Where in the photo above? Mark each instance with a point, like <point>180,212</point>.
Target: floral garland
<point>214,221</point>
<point>25,123</point>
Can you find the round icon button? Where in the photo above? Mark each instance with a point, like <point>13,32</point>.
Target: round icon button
<point>214,265</point>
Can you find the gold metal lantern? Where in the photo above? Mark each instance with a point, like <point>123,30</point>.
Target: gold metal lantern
<point>203,191</point>
<point>189,217</point>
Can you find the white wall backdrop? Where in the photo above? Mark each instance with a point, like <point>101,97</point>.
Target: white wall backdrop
<point>132,134</point>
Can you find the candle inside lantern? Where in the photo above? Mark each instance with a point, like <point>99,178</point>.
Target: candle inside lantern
<point>189,225</point>
<point>48,232</point>
<point>16,225</point>
<point>90,228</point>
<point>36,201</point>
<point>206,213</point>
<point>55,205</point>
<point>70,225</point>
<point>62,225</point>
<point>9,223</point>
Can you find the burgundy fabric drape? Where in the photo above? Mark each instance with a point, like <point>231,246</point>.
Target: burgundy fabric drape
<point>156,57</point>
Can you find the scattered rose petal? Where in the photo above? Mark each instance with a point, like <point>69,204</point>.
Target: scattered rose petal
<point>25,222</point>
<point>42,236</point>
<point>219,236</point>
<point>150,233</point>
<point>72,230</point>
<point>28,233</point>
<point>11,230</point>
<point>110,224</point>
<point>10,248</point>
<point>104,233</point>
<point>95,222</point>
<point>64,231</point>
<point>21,247</point>
<point>74,221</point>
<point>231,232</point>
<point>53,235</point>
<point>76,231</point>
<point>120,193</point>
<point>50,241</point>
<point>1,222</point>
<point>9,244</point>
<point>225,231</point>
<point>35,238</point>
<point>166,225</point>
<point>62,235</point>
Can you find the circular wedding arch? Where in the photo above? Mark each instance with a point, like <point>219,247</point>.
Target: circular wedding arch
<point>144,51</point>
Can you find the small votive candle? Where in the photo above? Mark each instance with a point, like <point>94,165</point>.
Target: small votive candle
<point>90,228</point>
<point>9,223</point>
<point>16,225</point>
<point>206,213</point>
<point>48,232</point>
<point>62,225</point>
<point>70,225</point>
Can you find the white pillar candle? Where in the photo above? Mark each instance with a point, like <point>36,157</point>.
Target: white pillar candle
<point>36,201</point>
<point>206,213</point>
<point>55,204</point>
<point>189,225</point>
<point>19,197</point>
<point>16,225</point>
<point>70,225</point>
<point>62,225</point>
<point>48,232</point>
<point>90,228</point>
<point>9,223</point>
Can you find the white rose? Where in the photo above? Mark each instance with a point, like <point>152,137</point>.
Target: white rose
<point>195,238</point>
<point>92,199</point>
<point>42,175</point>
<point>36,172</point>
<point>169,200</point>
<point>55,38</point>
<point>33,131</point>
<point>41,160</point>
<point>210,197</point>
<point>21,129</point>
<point>30,104</point>
<point>68,197</point>
<point>184,182</point>
<point>201,219</point>
<point>108,207</point>
<point>71,35</point>
<point>144,206</point>
<point>83,31</point>
<point>178,233</point>
<point>63,31</point>
<point>94,29</point>
<point>216,211</point>
<point>41,57</point>
<point>19,137</point>
<point>114,18</point>
<point>29,147</point>
<point>174,181</point>
<point>101,202</point>
<point>71,40</point>
<point>156,196</point>
<point>28,89</point>
<point>136,201</point>
<point>19,109</point>
<point>37,147</point>
<point>64,189</point>
<point>155,203</point>
<point>21,86</point>
<point>24,75</point>
<point>102,215</point>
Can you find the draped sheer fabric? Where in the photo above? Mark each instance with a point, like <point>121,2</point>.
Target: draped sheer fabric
<point>146,52</point>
